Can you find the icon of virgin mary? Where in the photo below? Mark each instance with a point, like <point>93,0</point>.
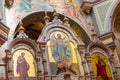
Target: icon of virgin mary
<point>60,48</point>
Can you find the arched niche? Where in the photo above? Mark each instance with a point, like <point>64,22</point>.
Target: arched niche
<point>34,24</point>
<point>99,44</point>
<point>21,58</point>
<point>50,32</point>
<point>70,54</point>
<point>100,65</point>
<point>31,72</point>
<point>100,60</point>
<point>44,36</point>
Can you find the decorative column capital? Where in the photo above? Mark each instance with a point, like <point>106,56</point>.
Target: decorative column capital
<point>8,55</point>
<point>42,45</point>
<point>81,47</point>
<point>37,57</point>
<point>44,61</point>
<point>108,39</point>
<point>7,52</point>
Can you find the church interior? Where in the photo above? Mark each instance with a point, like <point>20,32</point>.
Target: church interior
<point>59,39</point>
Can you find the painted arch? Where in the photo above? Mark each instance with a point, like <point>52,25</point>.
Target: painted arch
<point>34,24</point>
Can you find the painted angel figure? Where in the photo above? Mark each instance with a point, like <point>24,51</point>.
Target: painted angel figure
<point>60,48</point>
<point>22,67</point>
<point>69,9</point>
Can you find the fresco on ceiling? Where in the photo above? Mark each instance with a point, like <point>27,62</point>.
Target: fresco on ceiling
<point>25,5</point>
<point>62,55</point>
<point>101,67</point>
<point>22,8</point>
<point>71,8</point>
<point>62,6</point>
<point>24,65</point>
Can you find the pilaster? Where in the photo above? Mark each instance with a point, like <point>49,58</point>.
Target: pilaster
<point>111,59</point>
<point>81,49</point>
<point>44,62</point>
<point>39,72</point>
<point>88,58</point>
<point>8,60</point>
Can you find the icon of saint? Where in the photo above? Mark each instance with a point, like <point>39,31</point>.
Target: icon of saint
<point>22,67</point>
<point>101,69</point>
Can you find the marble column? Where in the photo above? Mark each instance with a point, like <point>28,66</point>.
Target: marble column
<point>9,64</point>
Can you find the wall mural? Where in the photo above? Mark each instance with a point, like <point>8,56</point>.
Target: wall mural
<point>25,5</point>
<point>68,7</point>
<point>62,55</point>
<point>24,65</point>
<point>22,8</point>
<point>101,66</point>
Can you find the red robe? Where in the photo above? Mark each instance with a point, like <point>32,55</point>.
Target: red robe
<point>101,71</point>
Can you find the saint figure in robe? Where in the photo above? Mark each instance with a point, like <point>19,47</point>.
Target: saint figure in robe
<point>22,67</point>
<point>101,69</point>
<point>60,49</point>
